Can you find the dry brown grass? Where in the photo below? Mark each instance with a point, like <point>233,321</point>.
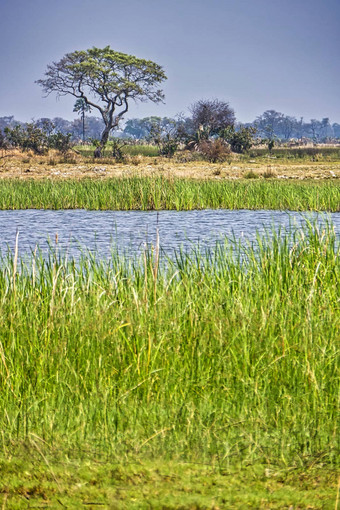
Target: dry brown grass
<point>27,166</point>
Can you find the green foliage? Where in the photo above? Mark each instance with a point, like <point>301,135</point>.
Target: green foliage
<point>93,141</point>
<point>28,137</point>
<point>117,149</point>
<point>240,141</point>
<point>271,144</point>
<point>38,139</point>
<point>105,80</point>
<point>143,128</point>
<point>62,143</point>
<point>165,136</point>
<point>81,107</point>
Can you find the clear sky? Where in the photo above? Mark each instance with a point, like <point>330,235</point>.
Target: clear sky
<point>255,54</point>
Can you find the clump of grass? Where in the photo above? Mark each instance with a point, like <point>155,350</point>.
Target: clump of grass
<point>229,354</point>
<point>52,161</point>
<point>188,156</point>
<point>69,158</point>
<point>269,173</point>
<point>134,160</point>
<point>251,175</point>
<point>140,193</point>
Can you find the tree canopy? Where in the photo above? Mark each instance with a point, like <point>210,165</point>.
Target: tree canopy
<point>211,115</point>
<point>106,80</point>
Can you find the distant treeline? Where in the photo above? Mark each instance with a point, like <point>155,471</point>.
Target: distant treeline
<point>270,125</point>
<point>93,126</point>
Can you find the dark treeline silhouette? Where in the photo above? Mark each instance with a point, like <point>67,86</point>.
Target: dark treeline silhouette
<point>271,125</point>
<point>93,126</point>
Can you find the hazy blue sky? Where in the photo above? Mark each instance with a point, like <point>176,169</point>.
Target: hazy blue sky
<point>255,54</point>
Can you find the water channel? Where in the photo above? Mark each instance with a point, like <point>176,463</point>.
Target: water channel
<point>130,231</point>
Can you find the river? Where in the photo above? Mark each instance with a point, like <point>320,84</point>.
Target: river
<point>129,231</point>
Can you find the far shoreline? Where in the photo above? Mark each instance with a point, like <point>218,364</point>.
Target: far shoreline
<point>167,192</point>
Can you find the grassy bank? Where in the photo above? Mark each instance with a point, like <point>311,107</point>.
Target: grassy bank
<point>159,485</point>
<point>131,150</point>
<point>228,359</point>
<point>161,193</point>
<point>318,153</point>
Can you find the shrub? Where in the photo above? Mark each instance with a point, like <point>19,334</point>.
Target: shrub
<point>62,143</point>
<point>166,137</point>
<point>269,173</point>
<point>38,139</point>
<point>117,149</point>
<point>251,175</point>
<point>214,150</point>
<point>240,141</point>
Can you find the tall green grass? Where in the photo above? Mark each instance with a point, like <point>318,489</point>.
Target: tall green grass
<point>318,153</point>
<point>161,193</point>
<point>131,150</point>
<point>229,355</point>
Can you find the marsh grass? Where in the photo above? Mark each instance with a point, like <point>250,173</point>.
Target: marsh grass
<point>318,153</point>
<point>140,193</point>
<point>230,354</point>
<point>131,150</point>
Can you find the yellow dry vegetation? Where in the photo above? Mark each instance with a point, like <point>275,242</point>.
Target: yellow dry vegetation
<point>27,166</point>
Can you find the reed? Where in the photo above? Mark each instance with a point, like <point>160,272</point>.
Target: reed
<point>160,193</point>
<point>228,354</point>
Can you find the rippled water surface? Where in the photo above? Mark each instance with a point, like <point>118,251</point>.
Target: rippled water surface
<point>129,231</point>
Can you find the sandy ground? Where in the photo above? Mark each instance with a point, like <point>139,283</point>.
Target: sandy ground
<point>23,166</point>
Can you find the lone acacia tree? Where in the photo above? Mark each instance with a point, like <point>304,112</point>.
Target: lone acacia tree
<point>106,80</point>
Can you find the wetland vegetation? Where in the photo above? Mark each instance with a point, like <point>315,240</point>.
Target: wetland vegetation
<point>224,364</point>
<point>206,381</point>
<point>209,382</point>
<point>139,193</point>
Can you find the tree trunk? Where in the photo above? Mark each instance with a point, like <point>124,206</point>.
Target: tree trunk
<point>104,139</point>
